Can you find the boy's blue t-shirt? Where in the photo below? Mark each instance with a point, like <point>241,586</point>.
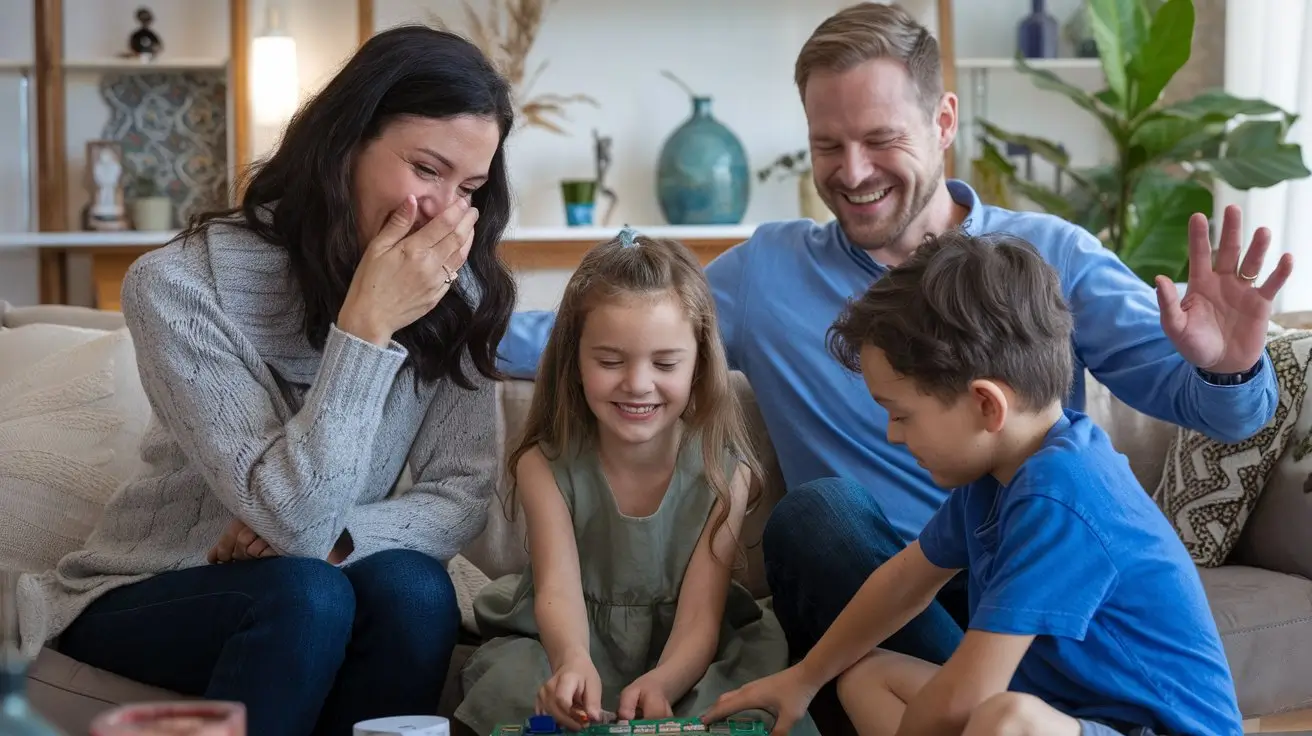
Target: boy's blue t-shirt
<point>1075,552</point>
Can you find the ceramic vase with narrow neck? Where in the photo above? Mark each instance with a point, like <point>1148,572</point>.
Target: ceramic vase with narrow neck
<point>1037,34</point>
<point>702,176</point>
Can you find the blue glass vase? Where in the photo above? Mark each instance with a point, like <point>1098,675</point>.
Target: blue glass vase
<point>1037,34</point>
<point>702,176</point>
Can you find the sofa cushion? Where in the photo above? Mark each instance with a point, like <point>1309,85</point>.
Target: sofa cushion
<point>59,314</point>
<point>1265,620</point>
<point>71,415</point>
<point>70,694</point>
<point>1209,488</point>
<point>1276,535</point>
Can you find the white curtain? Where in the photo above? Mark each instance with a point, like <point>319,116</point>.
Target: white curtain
<point>1268,55</point>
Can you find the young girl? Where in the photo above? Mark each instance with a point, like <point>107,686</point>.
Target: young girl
<point>634,474</point>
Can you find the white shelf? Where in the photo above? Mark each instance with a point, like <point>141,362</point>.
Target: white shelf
<point>88,239</point>
<point>84,239</point>
<point>15,65</point>
<point>599,234</point>
<point>161,64</point>
<point>1049,64</point>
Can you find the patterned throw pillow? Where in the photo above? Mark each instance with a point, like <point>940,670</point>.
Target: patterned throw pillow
<point>1208,488</point>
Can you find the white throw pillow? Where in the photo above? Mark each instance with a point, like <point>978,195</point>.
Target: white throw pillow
<point>71,421</point>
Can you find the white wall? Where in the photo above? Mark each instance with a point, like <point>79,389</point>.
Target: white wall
<point>740,52</point>
<point>18,269</point>
<point>1269,55</point>
<point>326,35</point>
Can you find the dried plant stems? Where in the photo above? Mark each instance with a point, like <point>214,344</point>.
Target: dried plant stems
<point>506,34</point>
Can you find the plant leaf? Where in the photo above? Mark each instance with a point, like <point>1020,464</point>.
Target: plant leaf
<point>1171,138</point>
<point>1044,197</point>
<point>1119,28</point>
<point>1046,150</point>
<point>1256,156</point>
<point>1217,105</point>
<point>1170,39</point>
<point>1157,242</point>
<point>1092,202</point>
<point>992,173</point>
<point>1044,79</point>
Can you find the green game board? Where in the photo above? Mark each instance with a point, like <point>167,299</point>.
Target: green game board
<point>546,725</point>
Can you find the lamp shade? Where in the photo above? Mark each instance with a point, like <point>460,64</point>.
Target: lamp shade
<point>275,82</point>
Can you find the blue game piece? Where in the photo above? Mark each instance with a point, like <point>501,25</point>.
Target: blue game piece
<point>542,724</point>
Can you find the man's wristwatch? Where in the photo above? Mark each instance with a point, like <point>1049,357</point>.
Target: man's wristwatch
<point>1230,379</point>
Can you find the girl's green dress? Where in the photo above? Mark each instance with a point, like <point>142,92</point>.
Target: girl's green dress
<point>631,570</point>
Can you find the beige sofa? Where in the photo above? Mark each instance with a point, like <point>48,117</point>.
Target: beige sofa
<point>1265,616</point>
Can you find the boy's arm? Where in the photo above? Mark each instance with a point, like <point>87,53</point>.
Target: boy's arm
<point>1119,337</point>
<point>558,603</point>
<point>698,617</point>
<point>1050,575</point>
<point>895,593</point>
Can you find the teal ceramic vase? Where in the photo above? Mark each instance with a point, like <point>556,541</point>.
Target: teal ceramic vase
<point>702,176</point>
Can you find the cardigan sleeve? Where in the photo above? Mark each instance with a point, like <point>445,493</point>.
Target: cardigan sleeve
<point>291,479</point>
<point>456,459</point>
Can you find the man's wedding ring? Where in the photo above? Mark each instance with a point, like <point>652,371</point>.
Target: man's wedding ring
<point>450,275</point>
<point>1245,276</point>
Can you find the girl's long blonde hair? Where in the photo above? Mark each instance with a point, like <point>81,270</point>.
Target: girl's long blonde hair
<point>559,417</point>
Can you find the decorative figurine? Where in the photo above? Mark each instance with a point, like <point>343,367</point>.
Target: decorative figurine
<point>602,154</point>
<point>105,174</point>
<point>145,44</point>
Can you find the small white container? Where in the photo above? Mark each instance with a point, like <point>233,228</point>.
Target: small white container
<point>404,726</point>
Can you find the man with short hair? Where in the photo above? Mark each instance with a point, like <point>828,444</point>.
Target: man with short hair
<point>880,124</point>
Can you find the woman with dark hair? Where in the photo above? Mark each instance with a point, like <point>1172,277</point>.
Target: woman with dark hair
<point>303,352</point>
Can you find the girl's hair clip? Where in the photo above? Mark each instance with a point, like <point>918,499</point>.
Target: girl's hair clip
<point>627,236</point>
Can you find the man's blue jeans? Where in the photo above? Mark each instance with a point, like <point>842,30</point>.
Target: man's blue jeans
<point>823,539</point>
<point>307,647</point>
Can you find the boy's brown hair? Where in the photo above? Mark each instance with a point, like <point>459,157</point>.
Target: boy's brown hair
<point>640,267</point>
<point>963,308</point>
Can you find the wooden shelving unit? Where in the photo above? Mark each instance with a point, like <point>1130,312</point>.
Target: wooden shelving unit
<point>112,253</point>
<point>49,72</point>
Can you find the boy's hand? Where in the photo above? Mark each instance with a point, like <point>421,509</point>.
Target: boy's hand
<point>786,694</point>
<point>575,684</point>
<point>648,695</point>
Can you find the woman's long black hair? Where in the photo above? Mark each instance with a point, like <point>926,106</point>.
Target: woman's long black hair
<point>405,71</point>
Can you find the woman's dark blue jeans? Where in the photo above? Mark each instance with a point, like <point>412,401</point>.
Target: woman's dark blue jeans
<point>307,647</point>
<point>823,539</point>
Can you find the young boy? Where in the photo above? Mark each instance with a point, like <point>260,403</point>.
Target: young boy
<point>1087,615</point>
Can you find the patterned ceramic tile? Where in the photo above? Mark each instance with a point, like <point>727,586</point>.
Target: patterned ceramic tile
<point>173,128</point>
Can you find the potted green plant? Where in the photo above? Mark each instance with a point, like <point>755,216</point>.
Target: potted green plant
<point>798,164</point>
<point>1168,156</point>
<point>152,210</point>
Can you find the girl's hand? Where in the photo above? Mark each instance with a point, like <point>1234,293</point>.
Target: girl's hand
<point>575,684</point>
<point>646,697</point>
<point>238,542</point>
<point>403,275</point>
